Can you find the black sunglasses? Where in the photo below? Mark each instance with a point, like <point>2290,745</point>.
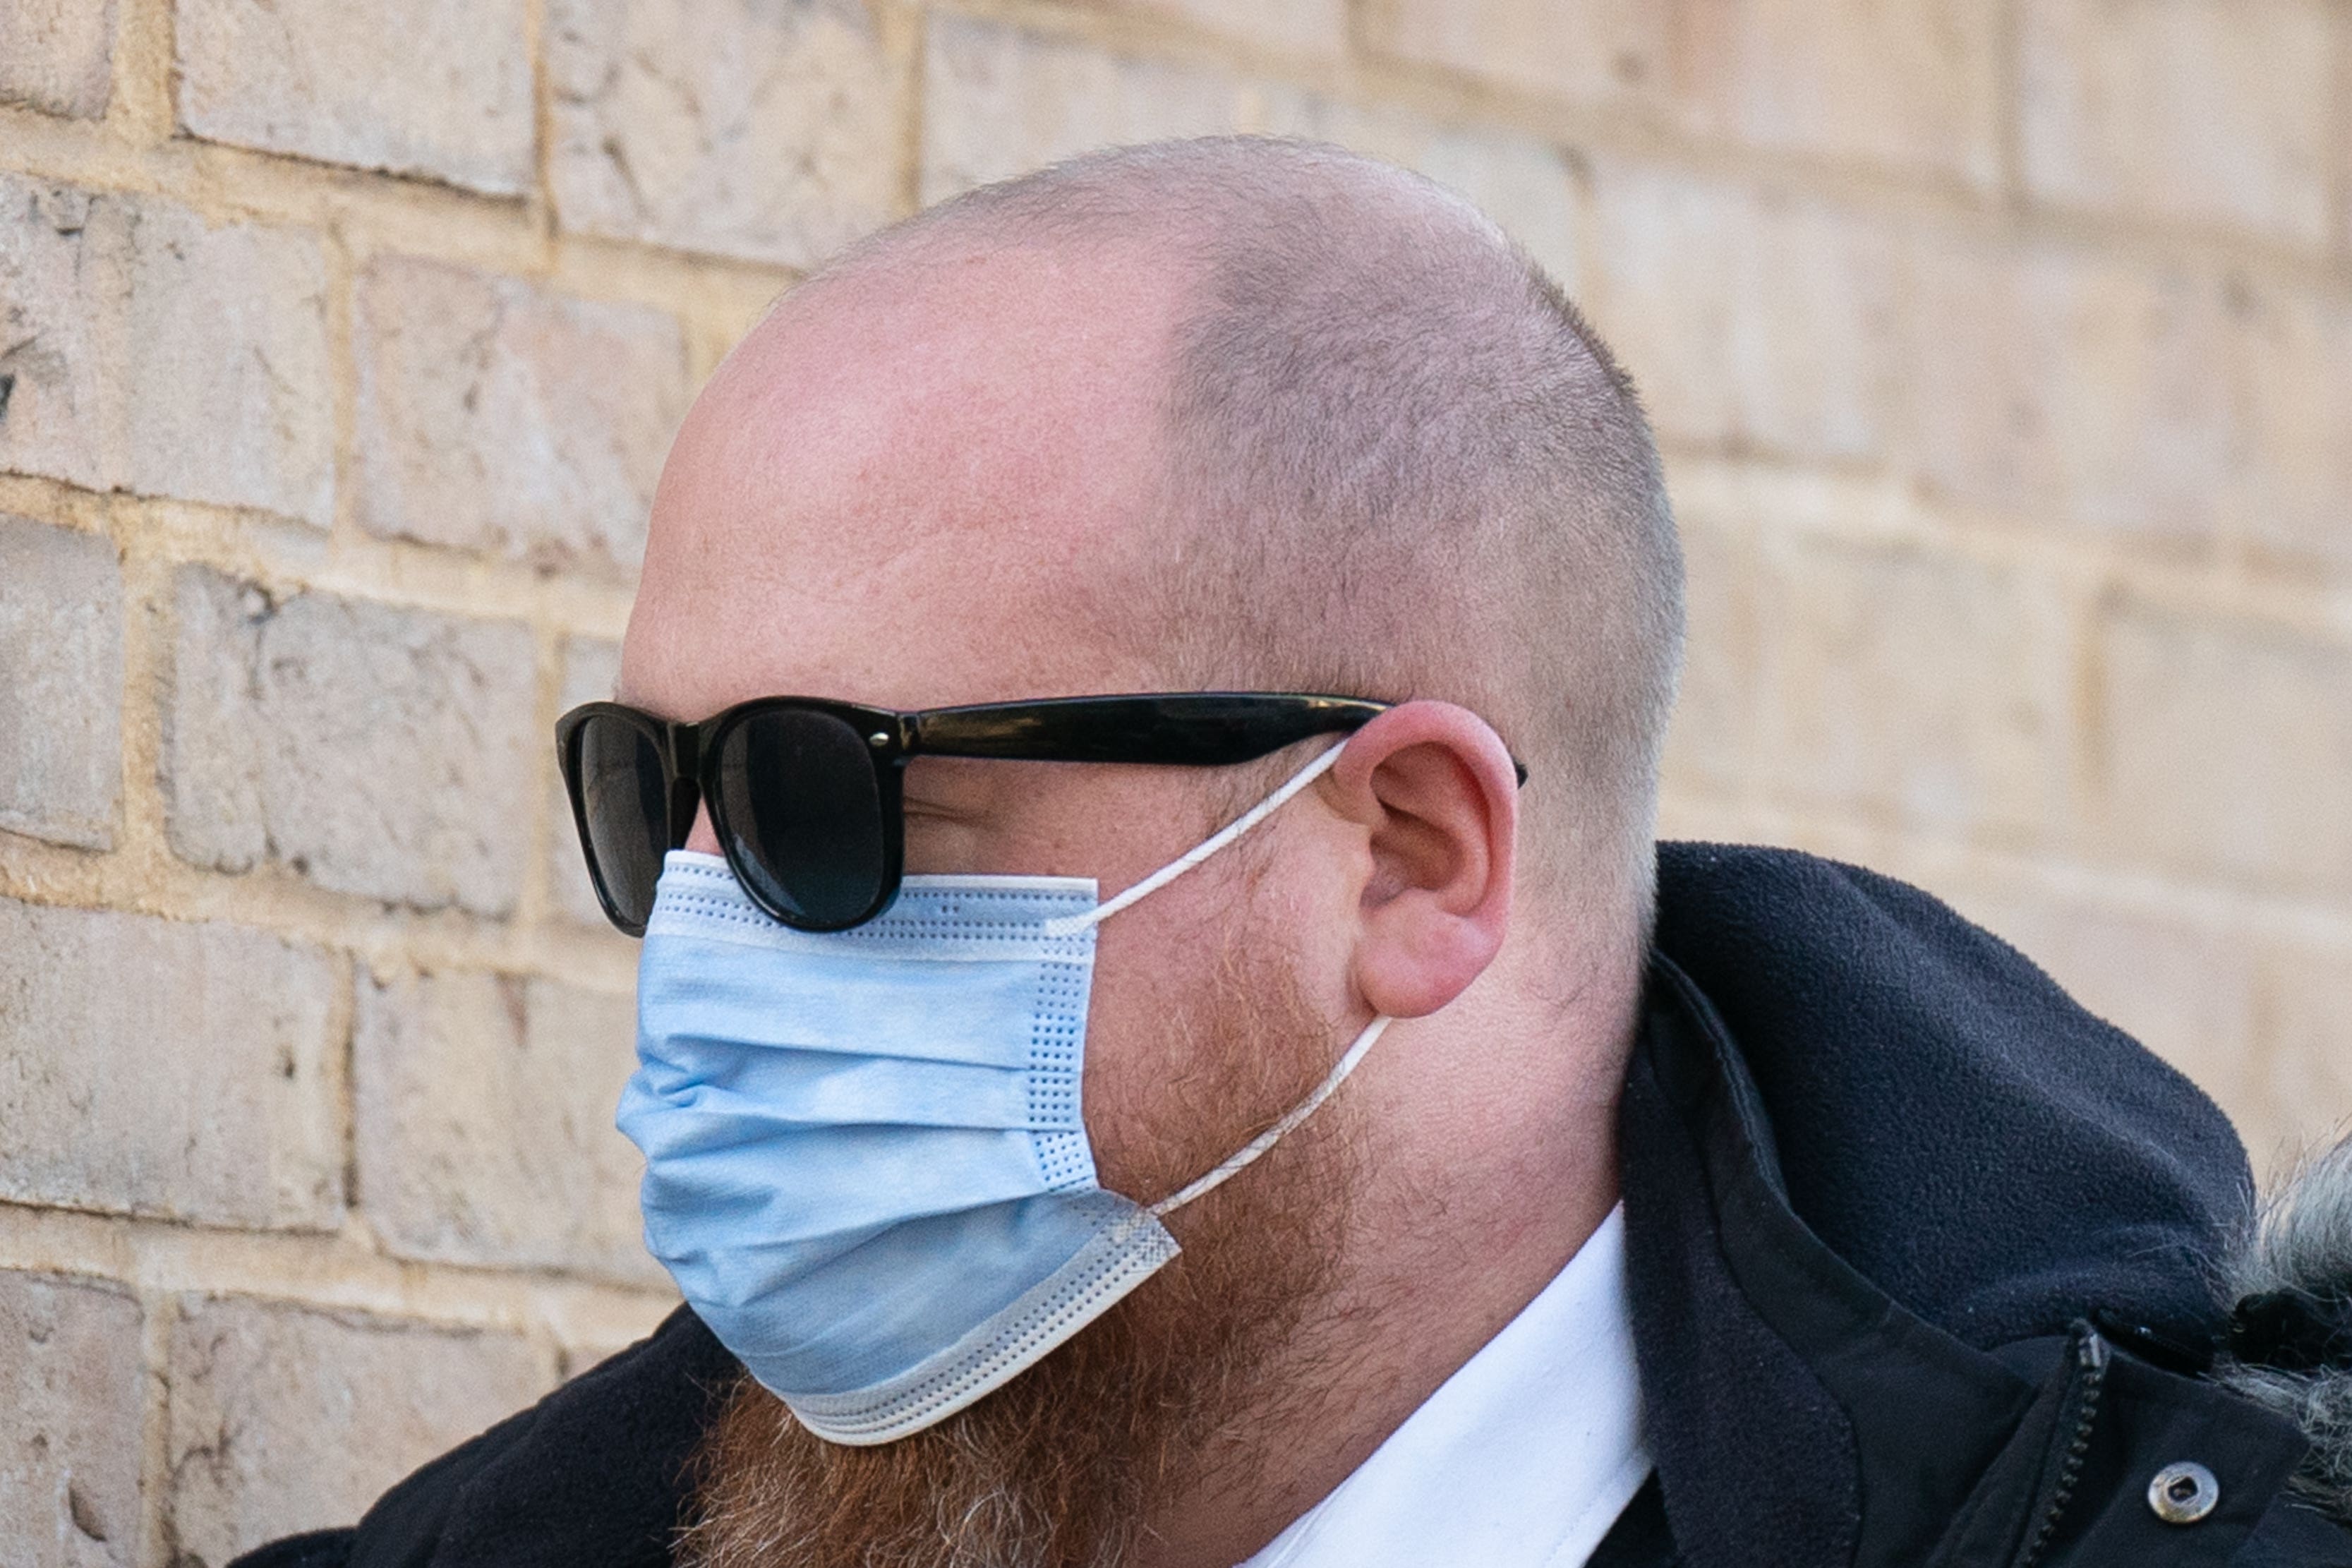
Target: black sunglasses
<point>804,793</point>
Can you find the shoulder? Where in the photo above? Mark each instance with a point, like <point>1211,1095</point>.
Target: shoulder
<point>316,1549</point>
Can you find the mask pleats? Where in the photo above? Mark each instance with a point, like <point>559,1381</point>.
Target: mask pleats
<point>866,1165</point>
<point>873,1324</point>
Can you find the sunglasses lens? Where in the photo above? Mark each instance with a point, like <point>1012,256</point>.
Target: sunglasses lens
<point>621,782</point>
<point>804,812</point>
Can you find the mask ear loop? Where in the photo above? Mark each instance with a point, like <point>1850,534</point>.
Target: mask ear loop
<point>1274,1134</point>
<point>1070,925</point>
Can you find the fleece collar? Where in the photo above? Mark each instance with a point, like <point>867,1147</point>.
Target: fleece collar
<point>1880,1173</point>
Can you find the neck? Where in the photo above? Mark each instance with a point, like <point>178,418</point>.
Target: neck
<point>1492,1164</point>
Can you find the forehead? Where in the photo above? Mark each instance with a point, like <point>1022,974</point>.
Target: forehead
<point>922,485</point>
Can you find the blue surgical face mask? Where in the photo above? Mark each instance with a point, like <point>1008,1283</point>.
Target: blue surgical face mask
<point>866,1165</point>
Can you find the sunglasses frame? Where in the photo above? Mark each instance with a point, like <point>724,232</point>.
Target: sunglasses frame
<point>1187,729</point>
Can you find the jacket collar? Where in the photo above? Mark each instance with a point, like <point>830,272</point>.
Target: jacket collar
<point>1800,1415</point>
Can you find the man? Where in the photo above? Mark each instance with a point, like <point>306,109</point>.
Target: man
<point>1431,1170</point>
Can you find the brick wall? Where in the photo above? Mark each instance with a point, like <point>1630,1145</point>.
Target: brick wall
<point>2002,350</point>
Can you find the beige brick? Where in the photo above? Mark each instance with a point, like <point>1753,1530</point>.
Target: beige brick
<point>284,1419</point>
<point>2226,750</point>
<point>378,751</point>
<point>1711,745</point>
<point>61,412</point>
<point>1523,184</point>
<point>1898,685</point>
<point>485,1107</point>
<point>493,416</point>
<point>999,101</point>
<point>592,667</point>
<point>437,88</point>
<point>2212,111</point>
<point>61,701</point>
<point>2050,382</point>
<point>762,128</point>
<point>147,351</point>
<point>1912,85</point>
<point>72,1381</point>
<point>190,1071</point>
<point>1586,51</point>
<point>2293,369</point>
<point>55,55</point>
<point>2306,1081</point>
<point>1316,27</point>
<point>2186,992</point>
<point>227,367</point>
<point>1749,321</point>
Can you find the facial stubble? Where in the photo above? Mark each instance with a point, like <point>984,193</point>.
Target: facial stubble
<point>1066,1466</point>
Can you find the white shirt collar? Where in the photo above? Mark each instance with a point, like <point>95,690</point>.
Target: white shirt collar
<point>1523,1458</point>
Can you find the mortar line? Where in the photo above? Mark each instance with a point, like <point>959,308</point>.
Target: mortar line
<point>338,1271</point>
<point>158,1317</point>
<point>2008,98</point>
<point>2338,192</point>
<point>149,619</point>
<point>535,903</point>
<point>144,73</point>
<point>542,199</point>
<point>915,70</point>
<point>343,373</point>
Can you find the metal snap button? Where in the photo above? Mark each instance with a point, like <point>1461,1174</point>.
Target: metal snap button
<point>2183,1494</point>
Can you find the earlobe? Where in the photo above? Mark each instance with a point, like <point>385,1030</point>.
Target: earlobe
<point>1435,791</point>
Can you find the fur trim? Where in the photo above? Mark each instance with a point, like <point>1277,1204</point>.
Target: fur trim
<point>2290,1346</point>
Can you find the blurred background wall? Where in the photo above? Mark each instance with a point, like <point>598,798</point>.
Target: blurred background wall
<point>2001,349</point>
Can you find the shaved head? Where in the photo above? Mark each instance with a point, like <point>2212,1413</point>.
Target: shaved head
<point>1396,463</point>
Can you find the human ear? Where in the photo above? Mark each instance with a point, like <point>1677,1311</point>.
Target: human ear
<point>1437,795</point>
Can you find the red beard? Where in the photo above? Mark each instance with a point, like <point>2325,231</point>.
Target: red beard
<point>1066,1466</point>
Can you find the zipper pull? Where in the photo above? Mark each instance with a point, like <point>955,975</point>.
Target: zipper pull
<point>2091,1356</point>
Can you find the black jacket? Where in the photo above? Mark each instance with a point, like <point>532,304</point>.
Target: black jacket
<point>1927,1268</point>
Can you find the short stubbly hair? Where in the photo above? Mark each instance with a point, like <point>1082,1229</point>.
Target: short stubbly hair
<point>1400,463</point>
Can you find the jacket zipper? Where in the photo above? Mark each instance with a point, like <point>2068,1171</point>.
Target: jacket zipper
<point>2091,1358</point>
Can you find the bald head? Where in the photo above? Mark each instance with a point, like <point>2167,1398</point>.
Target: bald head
<point>1238,414</point>
<point>1396,463</point>
<point>911,491</point>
